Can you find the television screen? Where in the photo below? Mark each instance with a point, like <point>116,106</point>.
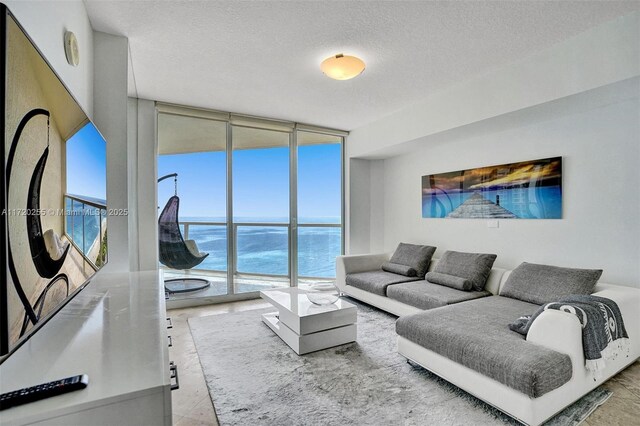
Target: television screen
<point>54,204</point>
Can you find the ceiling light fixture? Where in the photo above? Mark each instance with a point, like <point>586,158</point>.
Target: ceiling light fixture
<point>340,67</point>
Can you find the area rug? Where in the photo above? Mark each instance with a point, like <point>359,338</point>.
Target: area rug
<point>254,378</point>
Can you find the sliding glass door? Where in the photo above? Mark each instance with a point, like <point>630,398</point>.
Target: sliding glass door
<point>260,208</point>
<point>263,198</point>
<point>195,149</point>
<point>319,185</point>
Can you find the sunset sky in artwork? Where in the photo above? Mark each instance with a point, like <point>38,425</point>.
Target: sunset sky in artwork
<point>537,173</point>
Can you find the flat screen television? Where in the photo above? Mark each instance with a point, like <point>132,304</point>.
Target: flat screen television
<point>54,215</point>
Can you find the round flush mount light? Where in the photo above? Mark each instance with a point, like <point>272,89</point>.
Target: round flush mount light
<point>341,67</point>
<point>71,49</point>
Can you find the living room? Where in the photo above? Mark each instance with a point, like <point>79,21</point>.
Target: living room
<point>316,215</point>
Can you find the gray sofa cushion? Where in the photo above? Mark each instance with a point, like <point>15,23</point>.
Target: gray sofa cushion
<point>458,283</point>
<point>476,335</point>
<point>542,284</point>
<point>396,268</point>
<point>376,281</point>
<point>415,256</point>
<point>425,295</point>
<point>473,266</point>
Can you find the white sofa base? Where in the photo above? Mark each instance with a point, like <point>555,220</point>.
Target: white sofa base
<point>531,411</point>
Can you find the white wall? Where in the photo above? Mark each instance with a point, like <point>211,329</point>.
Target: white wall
<point>365,213</point>
<point>111,55</point>
<point>578,99</point>
<point>601,196</point>
<point>358,207</point>
<point>143,229</point>
<point>377,214</point>
<point>46,23</point>
<point>132,158</point>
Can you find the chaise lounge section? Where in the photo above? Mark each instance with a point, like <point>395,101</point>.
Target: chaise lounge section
<point>530,389</point>
<point>475,335</point>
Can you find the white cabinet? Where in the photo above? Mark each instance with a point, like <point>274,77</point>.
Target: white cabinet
<point>115,331</point>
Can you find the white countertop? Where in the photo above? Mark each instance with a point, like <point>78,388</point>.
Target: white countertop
<point>114,330</point>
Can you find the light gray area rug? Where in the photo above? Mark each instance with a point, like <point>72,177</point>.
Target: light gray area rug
<point>254,378</point>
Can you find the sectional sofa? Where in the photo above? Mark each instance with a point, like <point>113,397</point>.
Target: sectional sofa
<point>463,337</point>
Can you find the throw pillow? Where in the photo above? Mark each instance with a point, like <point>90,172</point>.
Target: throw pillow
<point>474,267</point>
<point>396,268</point>
<point>415,256</point>
<point>450,281</point>
<point>540,284</point>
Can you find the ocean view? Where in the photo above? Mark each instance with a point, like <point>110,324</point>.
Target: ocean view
<point>260,197</point>
<point>265,249</point>
<point>261,249</point>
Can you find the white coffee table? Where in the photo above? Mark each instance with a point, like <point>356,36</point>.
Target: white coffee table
<point>305,326</point>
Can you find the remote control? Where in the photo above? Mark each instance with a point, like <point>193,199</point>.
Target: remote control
<point>45,390</point>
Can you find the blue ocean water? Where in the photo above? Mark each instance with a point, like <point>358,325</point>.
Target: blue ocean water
<point>527,203</point>
<point>265,249</point>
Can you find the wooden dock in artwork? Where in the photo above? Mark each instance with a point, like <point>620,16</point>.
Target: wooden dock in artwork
<point>478,207</point>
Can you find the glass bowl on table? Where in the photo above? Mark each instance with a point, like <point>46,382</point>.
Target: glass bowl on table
<point>322,293</point>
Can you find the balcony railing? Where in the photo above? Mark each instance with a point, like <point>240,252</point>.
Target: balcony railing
<point>276,249</point>
<point>85,227</point>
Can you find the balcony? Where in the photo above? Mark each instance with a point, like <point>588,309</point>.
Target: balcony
<point>260,256</point>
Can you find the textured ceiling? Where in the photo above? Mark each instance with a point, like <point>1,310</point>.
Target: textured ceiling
<point>262,58</point>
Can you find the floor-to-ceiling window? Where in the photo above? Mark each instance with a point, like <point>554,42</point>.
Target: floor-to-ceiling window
<point>260,208</point>
<point>319,210</point>
<point>196,149</point>
<point>263,198</point>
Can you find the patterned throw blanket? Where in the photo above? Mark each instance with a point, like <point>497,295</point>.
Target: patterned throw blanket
<point>603,334</point>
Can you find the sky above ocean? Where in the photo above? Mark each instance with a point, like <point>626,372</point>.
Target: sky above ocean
<point>260,182</point>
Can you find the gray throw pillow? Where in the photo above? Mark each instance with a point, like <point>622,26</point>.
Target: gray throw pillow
<point>542,284</point>
<point>450,281</point>
<point>474,267</point>
<point>415,256</point>
<point>396,268</point>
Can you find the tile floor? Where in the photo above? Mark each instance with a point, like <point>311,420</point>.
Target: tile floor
<point>192,405</point>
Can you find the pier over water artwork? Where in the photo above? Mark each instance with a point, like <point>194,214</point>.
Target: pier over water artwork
<point>523,190</point>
